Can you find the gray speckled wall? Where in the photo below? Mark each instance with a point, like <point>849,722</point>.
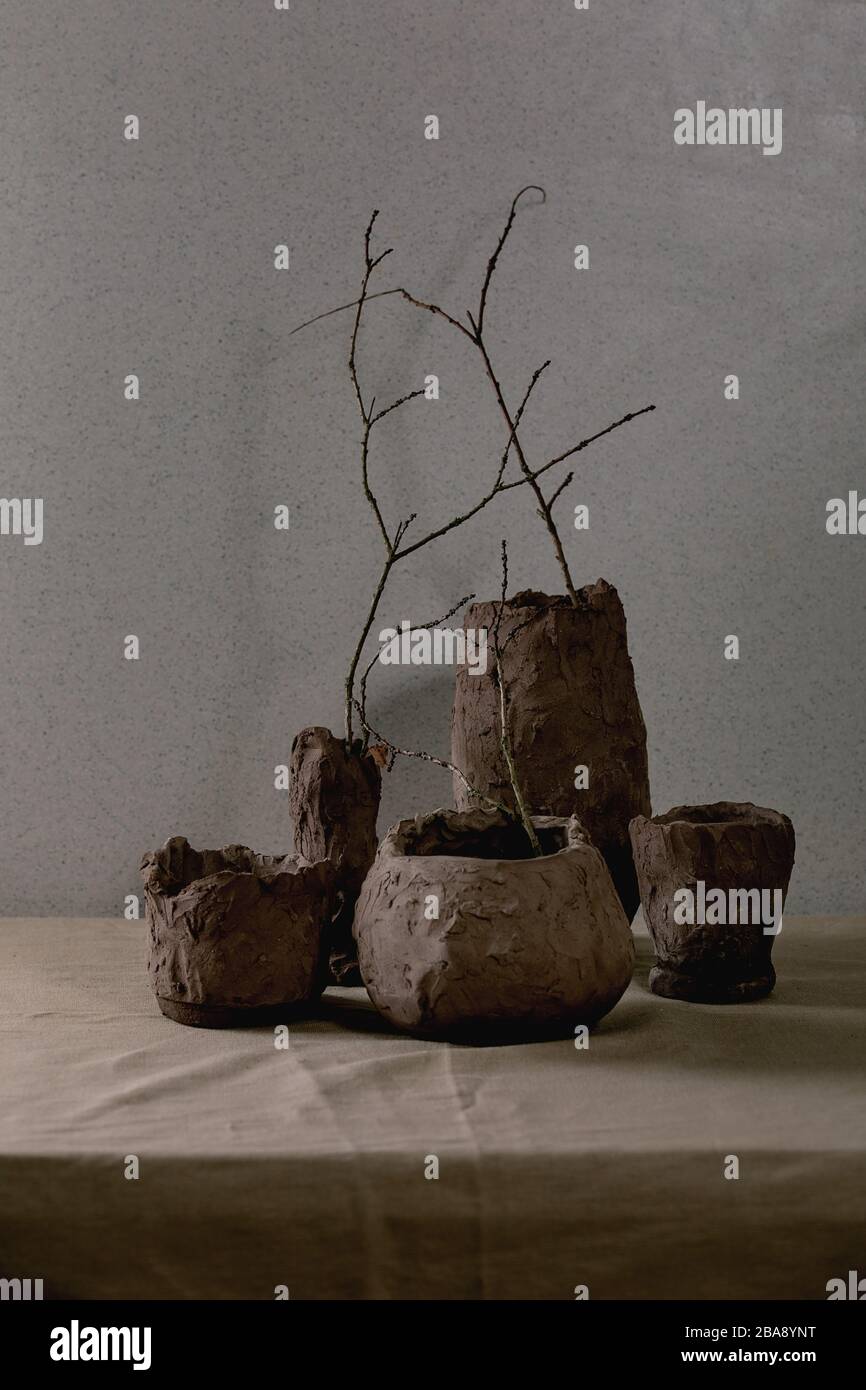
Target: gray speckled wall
<point>156,257</point>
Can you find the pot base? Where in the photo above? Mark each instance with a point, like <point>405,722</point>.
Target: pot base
<point>228,1016</point>
<point>675,984</point>
<point>510,1033</point>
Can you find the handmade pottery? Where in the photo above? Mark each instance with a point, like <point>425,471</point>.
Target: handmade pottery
<point>463,934</point>
<point>334,801</point>
<point>572,704</point>
<point>730,861</point>
<point>235,937</point>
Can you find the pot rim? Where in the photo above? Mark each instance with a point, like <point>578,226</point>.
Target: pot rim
<point>741,813</point>
<point>576,837</point>
<point>156,867</point>
<point>538,601</point>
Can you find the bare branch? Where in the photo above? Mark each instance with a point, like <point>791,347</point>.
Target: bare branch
<point>491,264</point>
<point>528,474</point>
<point>504,736</point>
<point>367,234</point>
<point>402,528</point>
<point>366,412</point>
<point>340,309</point>
<point>576,448</point>
<point>368,491</point>
<point>416,627</point>
<point>498,485</point>
<point>353,369</point>
<point>501,609</point>
<point>569,477</point>
<point>368,420</point>
<point>434,309</point>
<point>477,326</point>
<point>461,603</point>
<point>383,294</point>
<point>440,762</point>
<point>519,416</point>
<point>515,631</point>
<point>474,333</point>
<point>374,419</point>
<point>513,424</point>
<point>362,702</point>
<point>356,655</point>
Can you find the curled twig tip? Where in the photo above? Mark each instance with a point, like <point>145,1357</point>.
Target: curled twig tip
<point>531,188</point>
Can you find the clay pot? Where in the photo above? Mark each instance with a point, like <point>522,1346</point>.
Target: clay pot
<point>235,937</point>
<point>334,802</point>
<point>729,846</point>
<point>572,701</point>
<point>522,947</point>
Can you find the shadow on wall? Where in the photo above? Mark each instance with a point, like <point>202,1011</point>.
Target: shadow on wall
<point>416,716</point>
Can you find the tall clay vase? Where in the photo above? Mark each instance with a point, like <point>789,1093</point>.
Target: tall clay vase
<point>742,849</point>
<point>572,702</point>
<point>334,802</point>
<point>235,938</point>
<point>464,935</point>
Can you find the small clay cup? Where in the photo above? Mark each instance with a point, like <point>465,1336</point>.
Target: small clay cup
<point>236,938</point>
<point>464,935</point>
<point>728,845</point>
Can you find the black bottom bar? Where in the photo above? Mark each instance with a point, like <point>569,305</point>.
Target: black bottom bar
<point>258,1338</point>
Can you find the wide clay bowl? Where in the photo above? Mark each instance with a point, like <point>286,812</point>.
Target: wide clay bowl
<point>712,881</point>
<point>462,934</point>
<point>235,937</point>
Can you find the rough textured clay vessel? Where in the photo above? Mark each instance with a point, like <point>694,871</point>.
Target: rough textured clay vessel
<point>728,845</point>
<point>334,801</point>
<point>522,946</point>
<point>572,701</point>
<point>235,937</point>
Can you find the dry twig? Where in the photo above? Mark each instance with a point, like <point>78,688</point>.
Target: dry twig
<point>416,627</point>
<point>475,333</point>
<point>504,736</point>
<point>431,758</point>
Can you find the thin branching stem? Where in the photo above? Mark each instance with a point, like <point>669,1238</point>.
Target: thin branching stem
<point>569,477</point>
<point>416,627</point>
<point>475,333</point>
<point>504,735</point>
<point>356,655</point>
<point>491,264</point>
<point>380,414</point>
<point>385,294</point>
<point>529,476</point>
<point>522,816</point>
<point>521,626</point>
<point>366,412</point>
<point>394,549</point>
<point>431,758</point>
<point>498,485</point>
<point>370,417</point>
<point>477,325</point>
<point>584,443</point>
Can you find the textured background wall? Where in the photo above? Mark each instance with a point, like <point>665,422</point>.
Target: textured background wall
<point>156,257</point>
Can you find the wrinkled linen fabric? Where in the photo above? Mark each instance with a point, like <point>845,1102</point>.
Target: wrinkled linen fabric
<point>305,1167</point>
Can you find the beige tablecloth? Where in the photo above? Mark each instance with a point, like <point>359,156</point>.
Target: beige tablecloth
<point>305,1167</point>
